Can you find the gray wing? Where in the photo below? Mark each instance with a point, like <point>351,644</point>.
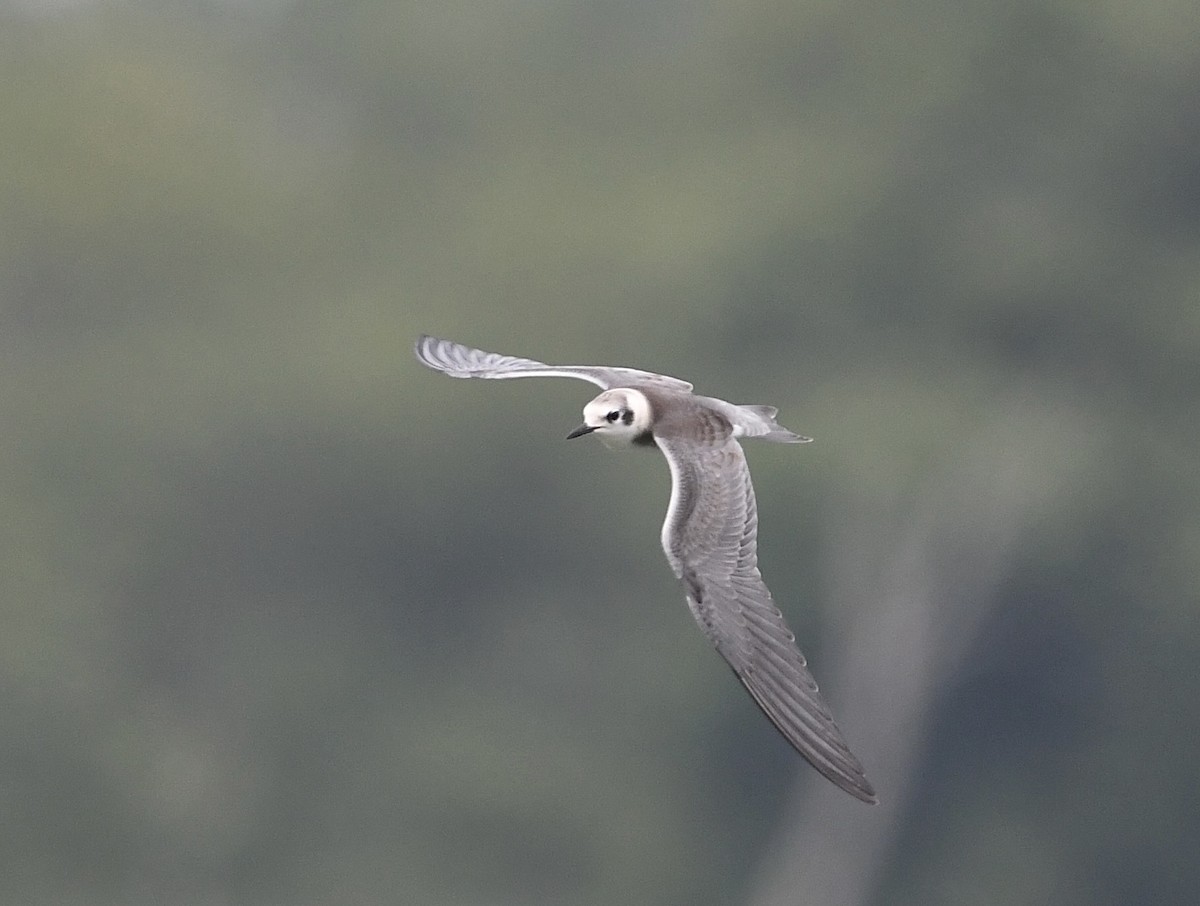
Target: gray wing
<point>710,540</point>
<point>461,361</point>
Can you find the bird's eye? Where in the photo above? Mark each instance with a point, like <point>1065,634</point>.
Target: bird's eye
<point>613,416</point>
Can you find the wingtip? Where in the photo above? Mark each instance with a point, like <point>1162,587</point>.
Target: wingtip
<point>430,352</point>
<point>850,781</point>
<point>856,785</point>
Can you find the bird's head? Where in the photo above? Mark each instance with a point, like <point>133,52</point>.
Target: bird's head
<point>617,417</point>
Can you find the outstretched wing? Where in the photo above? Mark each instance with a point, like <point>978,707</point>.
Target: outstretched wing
<point>461,361</point>
<point>710,538</point>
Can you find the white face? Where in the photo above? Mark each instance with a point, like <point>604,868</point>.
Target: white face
<point>616,416</point>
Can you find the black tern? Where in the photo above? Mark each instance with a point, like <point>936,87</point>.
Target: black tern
<point>710,533</point>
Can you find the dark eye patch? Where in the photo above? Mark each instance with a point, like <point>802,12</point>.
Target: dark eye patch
<point>627,416</point>
<point>613,416</point>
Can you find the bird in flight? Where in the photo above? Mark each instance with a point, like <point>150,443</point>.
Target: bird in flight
<point>710,533</point>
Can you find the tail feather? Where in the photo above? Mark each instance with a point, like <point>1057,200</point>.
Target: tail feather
<point>760,422</point>
<point>755,421</point>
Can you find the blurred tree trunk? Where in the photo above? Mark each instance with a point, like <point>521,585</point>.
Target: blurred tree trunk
<point>914,592</point>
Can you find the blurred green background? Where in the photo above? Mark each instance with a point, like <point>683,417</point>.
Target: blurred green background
<point>288,619</point>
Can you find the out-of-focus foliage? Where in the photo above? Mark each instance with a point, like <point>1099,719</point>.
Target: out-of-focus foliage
<point>288,619</point>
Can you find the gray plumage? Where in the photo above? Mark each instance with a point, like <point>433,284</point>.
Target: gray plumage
<point>710,532</point>
<point>462,361</point>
